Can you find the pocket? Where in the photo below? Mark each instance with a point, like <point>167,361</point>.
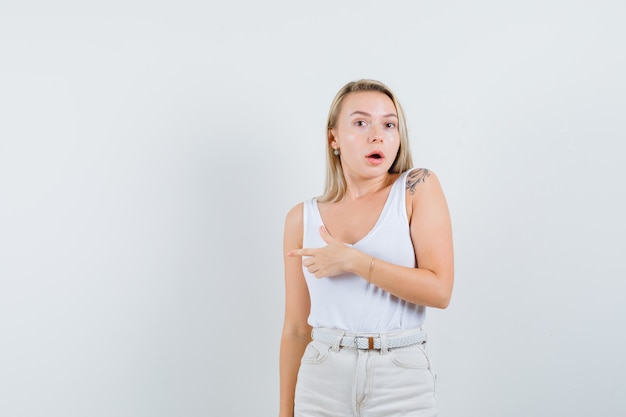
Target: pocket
<point>411,357</point>
<point>315,352</point>
<point>415,362</point>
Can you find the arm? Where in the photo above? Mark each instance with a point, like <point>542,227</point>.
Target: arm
<point>430,284</point>
<point>296,331</point>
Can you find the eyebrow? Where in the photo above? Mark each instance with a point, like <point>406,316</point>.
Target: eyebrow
<point>367,114</point>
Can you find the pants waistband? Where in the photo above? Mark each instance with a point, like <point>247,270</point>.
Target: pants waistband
<point>381,341</point>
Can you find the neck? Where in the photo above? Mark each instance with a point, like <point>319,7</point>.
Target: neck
<point>358,188</point>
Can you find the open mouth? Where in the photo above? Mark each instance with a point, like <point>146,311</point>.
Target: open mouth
<point>375,155</point>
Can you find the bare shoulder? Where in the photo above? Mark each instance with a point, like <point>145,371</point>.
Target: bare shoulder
<point>421,180</point>
<point>423,192</point>
<point>294,215</point>
<point>294,226</point>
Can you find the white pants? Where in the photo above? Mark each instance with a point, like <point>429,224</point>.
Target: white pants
<point>338,381</point>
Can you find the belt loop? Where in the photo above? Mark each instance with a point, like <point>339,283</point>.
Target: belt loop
<point>337,342</point>
<point>383,344</point>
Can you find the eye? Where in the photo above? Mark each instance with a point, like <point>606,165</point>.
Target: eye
<point>391,125</point>
<point>360,123</point>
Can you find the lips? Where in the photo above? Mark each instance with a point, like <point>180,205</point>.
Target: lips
<point>375,157</point>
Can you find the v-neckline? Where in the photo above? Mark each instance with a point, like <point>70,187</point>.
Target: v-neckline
<point>379,219</point>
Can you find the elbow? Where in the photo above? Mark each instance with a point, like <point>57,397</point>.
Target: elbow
<point>444,294</point>
<point>442,301</point>
<point>297,331</point>
<point>439,291</point>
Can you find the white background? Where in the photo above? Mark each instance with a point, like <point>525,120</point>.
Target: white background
<point>149,152</point>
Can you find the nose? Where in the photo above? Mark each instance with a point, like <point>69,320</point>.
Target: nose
<point>375,134</point>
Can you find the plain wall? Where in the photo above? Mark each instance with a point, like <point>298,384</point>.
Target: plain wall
<point>149,152</point>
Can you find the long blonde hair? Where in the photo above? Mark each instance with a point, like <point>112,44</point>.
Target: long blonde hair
<point>335,187</point>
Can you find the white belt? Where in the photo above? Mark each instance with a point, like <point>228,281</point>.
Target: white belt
<point>368,342</point>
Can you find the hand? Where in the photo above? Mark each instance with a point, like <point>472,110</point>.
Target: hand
<point>328,261</point>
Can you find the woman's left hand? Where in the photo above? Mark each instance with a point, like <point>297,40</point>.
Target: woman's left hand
<point>328,261</point>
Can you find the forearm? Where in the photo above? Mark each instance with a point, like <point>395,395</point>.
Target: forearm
<point>291,349</point>
<point>416,285</point>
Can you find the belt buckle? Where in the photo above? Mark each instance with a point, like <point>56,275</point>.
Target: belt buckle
<point>370,342</point>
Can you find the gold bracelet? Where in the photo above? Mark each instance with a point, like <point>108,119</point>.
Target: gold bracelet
<point>369,272</point>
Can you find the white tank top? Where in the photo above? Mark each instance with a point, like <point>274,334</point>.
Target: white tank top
<point>348,302</point>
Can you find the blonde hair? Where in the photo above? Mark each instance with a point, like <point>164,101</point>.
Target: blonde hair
<point>335,187</point>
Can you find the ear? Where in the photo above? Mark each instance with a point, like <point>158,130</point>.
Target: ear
<point>331,139</point>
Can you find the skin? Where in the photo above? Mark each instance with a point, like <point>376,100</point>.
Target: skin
<point>367,123</point>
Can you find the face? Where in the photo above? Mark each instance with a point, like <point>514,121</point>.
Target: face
<point>366,134</point>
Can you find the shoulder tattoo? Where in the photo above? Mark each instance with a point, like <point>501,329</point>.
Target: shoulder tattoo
<point>415,177</point>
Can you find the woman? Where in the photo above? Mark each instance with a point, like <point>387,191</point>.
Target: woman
<point>362,262</point>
